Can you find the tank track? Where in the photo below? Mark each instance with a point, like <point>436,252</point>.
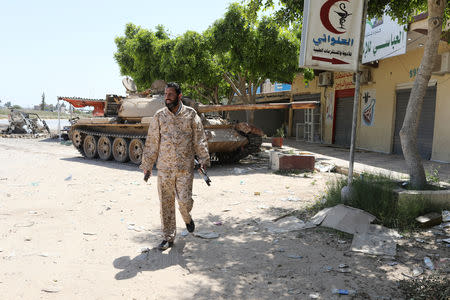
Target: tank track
<point>95,133</point>
<point>253,146</point>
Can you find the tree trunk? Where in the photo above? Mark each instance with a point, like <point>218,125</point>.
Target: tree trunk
<point>408,133</point>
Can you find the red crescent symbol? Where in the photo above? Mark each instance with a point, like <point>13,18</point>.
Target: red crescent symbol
<point>325,16</point>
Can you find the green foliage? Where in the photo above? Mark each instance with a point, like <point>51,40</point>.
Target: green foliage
<point>374,194</point>
<point>434,286</point>
<point>292,10</point>
<point>235,55</point>
<point>433,176</point>
<point>280,132</point>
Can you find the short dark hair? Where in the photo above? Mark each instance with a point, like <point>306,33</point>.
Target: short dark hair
<point>174,85</point>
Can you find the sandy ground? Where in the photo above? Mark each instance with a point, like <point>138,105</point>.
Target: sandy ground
<point>73,228</point>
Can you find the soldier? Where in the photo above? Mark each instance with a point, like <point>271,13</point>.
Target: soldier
<point>174,136</point>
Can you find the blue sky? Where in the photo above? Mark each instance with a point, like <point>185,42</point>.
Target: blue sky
<point>66,48</point>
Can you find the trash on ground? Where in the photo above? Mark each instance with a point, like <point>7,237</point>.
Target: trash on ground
<point>417,271</point>
<point>257,193</point>
<point>89,233</point>
<point>145,249</point>
<point>420,240</point>
<point>295,256</point>
<point>445,216</point>
<point>324,167</point>
<point>290,198</point>
<point>184,233</point>
<point>392,263</point>
<point>343,266</point>
<point>286,225</point>
<point>429,219</point>
<point>428,263</point>
<point>344,218</point>
<point>343,292</point>
<point>242,182</point>
<point>35,183</point>
<point>51,289</point>
<point>206,235</point>
<point>68,178</point>
<point>218,223</point>
<point>314,295</point>
<point>32,212</point>
<point>446,241</point>
<point>24,224</point>
<point>239,171</point>
<point>376,240</point>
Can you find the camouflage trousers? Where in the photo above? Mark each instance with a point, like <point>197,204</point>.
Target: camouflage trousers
<point>170,185</point>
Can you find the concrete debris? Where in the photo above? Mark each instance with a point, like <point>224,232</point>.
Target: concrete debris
<point>206,235</point>
<point>324,167</point>
<point>375,240</point>
<point>344,218</point>
<point>430,219</point>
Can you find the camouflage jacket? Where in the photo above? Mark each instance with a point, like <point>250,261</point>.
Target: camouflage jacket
<point>173,140</point>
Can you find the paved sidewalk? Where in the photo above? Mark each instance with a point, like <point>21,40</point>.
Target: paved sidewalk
<point>365,161</point>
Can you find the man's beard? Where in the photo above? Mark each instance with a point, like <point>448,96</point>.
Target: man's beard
<point>173,104</point>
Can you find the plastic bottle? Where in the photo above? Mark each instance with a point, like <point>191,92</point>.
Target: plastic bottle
<point>343,292</point>
<point>428,263</point>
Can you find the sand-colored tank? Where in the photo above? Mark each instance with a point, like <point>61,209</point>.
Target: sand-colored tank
<point>121,132</point>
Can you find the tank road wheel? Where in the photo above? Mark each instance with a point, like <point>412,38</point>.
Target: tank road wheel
<point>90,146</point>
<point>77,138</point>
<point>104,148</point>
<point>136,149</point>
<point>120,149</point>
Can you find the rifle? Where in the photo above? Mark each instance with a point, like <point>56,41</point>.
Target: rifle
<point>201,171</point>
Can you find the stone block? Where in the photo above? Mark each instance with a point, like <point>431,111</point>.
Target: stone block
<point>280,161</point>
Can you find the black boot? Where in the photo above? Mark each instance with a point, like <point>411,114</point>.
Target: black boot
<point>165,245</point>
<point>191,226</point>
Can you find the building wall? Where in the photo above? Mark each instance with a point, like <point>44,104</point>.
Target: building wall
<point>391,74</point>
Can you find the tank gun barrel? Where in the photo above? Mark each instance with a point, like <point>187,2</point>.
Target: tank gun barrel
<point>237,107</point>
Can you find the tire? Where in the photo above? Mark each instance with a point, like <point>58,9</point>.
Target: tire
<point>90,146</point>
<point>135,150</point>
<point>104,148</point>
<point>120,150</point>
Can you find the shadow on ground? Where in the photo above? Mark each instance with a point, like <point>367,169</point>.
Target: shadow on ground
<point>246,262</point>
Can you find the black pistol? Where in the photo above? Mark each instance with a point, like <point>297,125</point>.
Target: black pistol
<point>202,171</point>
<point>146,176</point>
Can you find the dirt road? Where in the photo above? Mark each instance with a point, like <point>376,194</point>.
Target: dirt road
<point>73,228</point>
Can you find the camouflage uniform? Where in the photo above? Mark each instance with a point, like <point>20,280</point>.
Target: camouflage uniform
<point>173,140</point>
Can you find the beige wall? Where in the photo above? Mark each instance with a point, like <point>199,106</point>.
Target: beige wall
<point>390,74</point>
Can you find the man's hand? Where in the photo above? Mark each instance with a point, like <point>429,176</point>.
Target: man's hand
<point>203,167</point>
<point>147,174</point>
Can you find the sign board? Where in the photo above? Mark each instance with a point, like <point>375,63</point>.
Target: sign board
<point>331,34</point>
<point>384,38</point>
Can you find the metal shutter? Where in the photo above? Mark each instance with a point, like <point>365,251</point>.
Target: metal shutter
<point>299,114</point>
<point>343,129</point>
<point>426,123</point>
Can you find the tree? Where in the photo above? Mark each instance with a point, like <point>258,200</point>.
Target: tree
<point>43,101</point>
<point>137,54</point>
<point>438,14</point>
<point>8,104</point>
<point>213,65</point>
<point>251,51</point>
